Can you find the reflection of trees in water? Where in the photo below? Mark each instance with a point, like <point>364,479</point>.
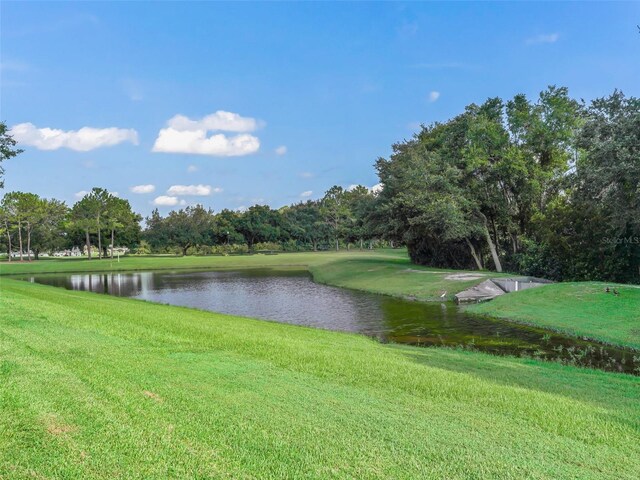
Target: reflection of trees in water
<point>444,324</point>
<point>121,285</point>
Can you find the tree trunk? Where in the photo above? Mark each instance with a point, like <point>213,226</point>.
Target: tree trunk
<point>474,254</point>
<point>99,243</point>
<point>337,245</point>
<point>20,239</point>
<point>492,249</point>
<point>28,242</point>
<point>113,233</point>
<point>361,244</point>
<point>88,243</point>
<point>8,238</point>
<point>514,243</point>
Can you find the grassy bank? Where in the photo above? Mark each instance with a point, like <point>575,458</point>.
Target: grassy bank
<point>380,271</point>
<point>102,387</point>
<point>578,309</point>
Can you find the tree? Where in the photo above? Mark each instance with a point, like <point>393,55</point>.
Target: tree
<point>304,223</point>
<point>24,211</point>
<point>83,215</point>
<point>100,199</point>
<point>335,211</point>
<point>7,149</point>
<point>225,228</point>
<point>5,225</point>
<point>259,224</point>
<point>33,210</point>
<point>49,234</point>
<point>118,216</point>
<point>360,201</point>
<point>474,185</point>
<point>155,232</point>
<point>184,228</point>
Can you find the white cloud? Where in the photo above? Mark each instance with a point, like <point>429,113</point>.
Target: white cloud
<point>306,175</point>
<point>199,190</point>
<point>543,38</point>
<point>192,168</point>
<point>377,188</point>
<point>306,194</point>
<point>115,194</point>
<point>221,120</point>
<point>433,96</point>
<point>183,135</point>
<point>197,142</point>
<point>165,201</point>
<point>83,140</point>
<point>281,150</point>
<point>143,189</point>
<point>80,194</point>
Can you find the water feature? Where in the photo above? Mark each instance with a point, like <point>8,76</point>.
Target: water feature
<point>292,297</point>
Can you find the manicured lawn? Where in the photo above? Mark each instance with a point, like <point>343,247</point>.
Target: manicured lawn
<point>93,386</point>
<point>579,309</point>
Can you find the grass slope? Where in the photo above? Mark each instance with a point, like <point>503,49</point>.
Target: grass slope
<point>578,309</point>
<point>94,386</point>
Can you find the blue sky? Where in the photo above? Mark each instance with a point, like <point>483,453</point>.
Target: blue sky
<point>313,92</point>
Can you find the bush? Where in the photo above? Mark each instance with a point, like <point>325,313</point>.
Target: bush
<point>233,249</point>
<point>267,247</point>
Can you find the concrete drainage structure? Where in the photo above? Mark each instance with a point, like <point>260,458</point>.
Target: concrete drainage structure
<point>494,287</point>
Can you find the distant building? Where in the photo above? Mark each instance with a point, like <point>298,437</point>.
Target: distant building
<point>74,252</point>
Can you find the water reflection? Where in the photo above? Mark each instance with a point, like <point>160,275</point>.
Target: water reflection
<point>292,297</point>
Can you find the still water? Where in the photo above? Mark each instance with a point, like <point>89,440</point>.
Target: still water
<point>292,297</point>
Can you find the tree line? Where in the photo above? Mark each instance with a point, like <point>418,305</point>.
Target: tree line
<point>100,220</point>
<point>32,225</point>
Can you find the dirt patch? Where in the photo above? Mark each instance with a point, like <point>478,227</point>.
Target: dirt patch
<point>153,396</point>
<point>462,277</point>
<point>56,428</point>
<point>413,270</point>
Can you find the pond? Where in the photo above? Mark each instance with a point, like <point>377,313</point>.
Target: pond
<point>292,297</point>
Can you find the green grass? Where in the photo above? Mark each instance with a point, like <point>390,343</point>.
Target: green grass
<point>94,386</point>
<point>578,309</point>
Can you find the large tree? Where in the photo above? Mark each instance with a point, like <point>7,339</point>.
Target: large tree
<point>305,224</point>
<point>7,149</point>
<point>49,234</point>
<point>259,224</point>
<point>22,212</point>
<point>336,213</point>
<point>83,216</point>
<point>185,228</point>
<point>118,217</point>
<point>472,186</point>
